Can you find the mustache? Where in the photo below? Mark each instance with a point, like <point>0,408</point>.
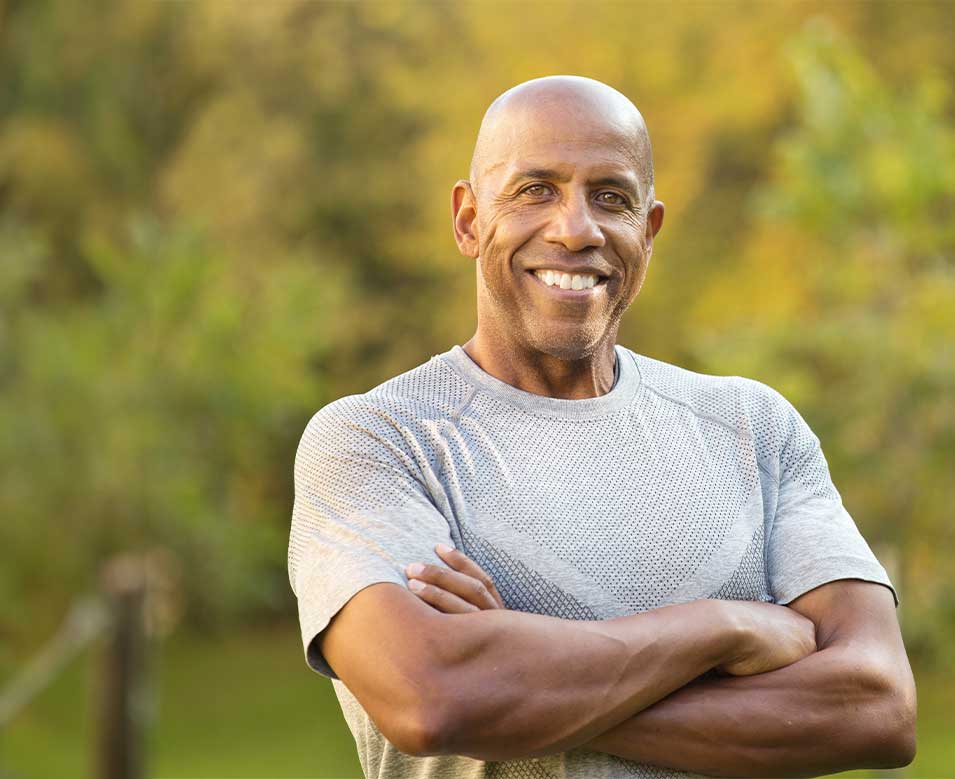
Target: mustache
<point>591,260</point>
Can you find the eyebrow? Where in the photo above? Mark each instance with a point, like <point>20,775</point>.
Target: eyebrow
<point>549,173</point>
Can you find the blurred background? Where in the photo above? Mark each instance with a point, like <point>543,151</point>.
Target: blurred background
<point>215,218</point>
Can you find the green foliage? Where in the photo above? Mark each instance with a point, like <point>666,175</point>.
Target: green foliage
<point>217,217</point>
<point>863,184</point>
<point>191,208</point>
<point>158,411</point>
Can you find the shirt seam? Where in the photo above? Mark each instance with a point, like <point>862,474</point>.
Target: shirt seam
<point>722,423</point>
<point>459,411</point>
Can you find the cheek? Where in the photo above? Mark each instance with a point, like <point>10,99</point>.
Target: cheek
<point>507,233</point>
<point>628,245</point>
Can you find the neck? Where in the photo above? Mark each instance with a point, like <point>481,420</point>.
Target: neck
<point>542,373</point>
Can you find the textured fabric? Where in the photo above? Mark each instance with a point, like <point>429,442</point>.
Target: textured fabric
<point>673,486</point>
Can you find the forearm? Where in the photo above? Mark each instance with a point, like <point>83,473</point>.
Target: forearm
<point>818,716</point>
<point>529,685</point>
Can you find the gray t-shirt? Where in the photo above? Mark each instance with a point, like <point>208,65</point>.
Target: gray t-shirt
<point>673,486</point>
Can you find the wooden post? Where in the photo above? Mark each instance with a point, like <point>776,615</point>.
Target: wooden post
<point>120,753</point>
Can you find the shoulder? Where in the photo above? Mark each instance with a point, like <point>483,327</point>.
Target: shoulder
<point>430,390</point>
<point>747,406</point>
<point>722,396</point>
<point>392,416</point>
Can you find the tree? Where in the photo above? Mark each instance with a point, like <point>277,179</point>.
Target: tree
<point>848,290</point>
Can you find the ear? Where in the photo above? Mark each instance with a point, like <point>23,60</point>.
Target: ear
<point>464,218</point>
<point>654,223</point>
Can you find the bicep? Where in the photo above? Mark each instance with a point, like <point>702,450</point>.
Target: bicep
<point>361,513</point>
<point>379,644</point>
<point>860,617</point>
<point>377,632</point>
<point>857,624</point>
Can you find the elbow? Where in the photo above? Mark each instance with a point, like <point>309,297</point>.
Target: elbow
<point>905,752</point>
<point>896,747</point>
<point>421,735</point>
<point>894,740</point>
<point>422,725</point>
<point>435,727</point>
<point>442,692</point>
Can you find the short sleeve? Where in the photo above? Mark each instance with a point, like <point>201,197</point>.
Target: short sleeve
<point>361,513</point>
<point>813,539</point>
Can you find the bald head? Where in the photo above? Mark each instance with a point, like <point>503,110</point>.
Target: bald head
<point>561,102</point>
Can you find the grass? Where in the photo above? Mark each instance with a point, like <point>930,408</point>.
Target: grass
<point>247,706</point>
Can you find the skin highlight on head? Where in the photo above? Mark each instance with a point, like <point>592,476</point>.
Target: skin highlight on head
<point>593,95</point>
<point>561,177</point>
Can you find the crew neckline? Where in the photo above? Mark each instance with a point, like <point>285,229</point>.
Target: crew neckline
<point>622,392</point>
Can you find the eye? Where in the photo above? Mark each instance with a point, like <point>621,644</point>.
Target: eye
<point>620,199</point>
<point>542,189</point>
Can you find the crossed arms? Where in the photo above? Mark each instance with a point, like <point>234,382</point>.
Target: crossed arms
<point>506,685</point>
<point>851,704</point>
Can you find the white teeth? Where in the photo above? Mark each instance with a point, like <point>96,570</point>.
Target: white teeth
<point>554,278</point>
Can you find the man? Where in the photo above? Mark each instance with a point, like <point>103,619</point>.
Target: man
<point>645,570</point>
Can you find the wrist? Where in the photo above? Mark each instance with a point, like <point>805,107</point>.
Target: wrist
<point>716,629</point>
<point>726,629</point>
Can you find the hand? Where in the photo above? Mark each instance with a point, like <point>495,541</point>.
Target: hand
<point>772,637</point>
<point>459,589</point>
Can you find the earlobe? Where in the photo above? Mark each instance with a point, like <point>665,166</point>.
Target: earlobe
<point>463,218</point>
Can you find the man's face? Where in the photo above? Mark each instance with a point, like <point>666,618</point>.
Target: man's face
<point>563,191</point>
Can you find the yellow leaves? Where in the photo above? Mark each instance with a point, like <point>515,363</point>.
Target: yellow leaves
<point>318,143</point>
<point>771,284</point>
<point>45,166</point>
<point>889,166</point>
<point>238,163</point>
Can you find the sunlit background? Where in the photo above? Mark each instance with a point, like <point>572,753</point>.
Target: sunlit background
<point>215,218</point>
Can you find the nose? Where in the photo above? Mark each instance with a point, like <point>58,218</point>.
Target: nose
<point>574,226</point>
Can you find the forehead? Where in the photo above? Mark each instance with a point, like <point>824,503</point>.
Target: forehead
<point>562,137</point>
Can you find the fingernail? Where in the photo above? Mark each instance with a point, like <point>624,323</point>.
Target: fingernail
<point>414,584</point>
<point>415,569</point>
<point>443,548</point>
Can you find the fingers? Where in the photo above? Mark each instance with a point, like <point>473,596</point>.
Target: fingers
<point>461,562</point>
<point>461,586</point>
<point>441,599</point>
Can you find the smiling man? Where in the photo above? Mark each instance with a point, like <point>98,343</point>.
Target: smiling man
<point>543,554</point>
<point>560,215</point>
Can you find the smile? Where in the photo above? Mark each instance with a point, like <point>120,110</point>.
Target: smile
<point>568,286</point>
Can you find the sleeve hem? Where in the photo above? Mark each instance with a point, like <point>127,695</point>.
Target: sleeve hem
<point>317,612</point>
<point>829,569</point>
